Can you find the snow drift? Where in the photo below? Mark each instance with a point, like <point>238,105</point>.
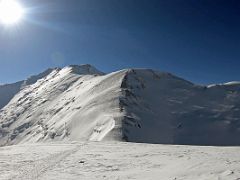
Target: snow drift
<point>137,105</point>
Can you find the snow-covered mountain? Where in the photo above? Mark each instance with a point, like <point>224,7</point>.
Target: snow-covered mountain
<point>137,105</point>
<point>7,91</point>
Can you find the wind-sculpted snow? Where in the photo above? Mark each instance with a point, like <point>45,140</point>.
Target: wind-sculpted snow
<point>8,91</point>
<point>66,104</point>
<point>136,105</point>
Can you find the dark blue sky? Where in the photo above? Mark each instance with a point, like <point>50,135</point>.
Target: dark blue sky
<point>198,40</point>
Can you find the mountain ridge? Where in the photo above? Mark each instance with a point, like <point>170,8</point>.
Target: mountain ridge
<point>137,105</point>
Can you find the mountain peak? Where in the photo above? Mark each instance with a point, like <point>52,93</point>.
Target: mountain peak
<point>84,69</point>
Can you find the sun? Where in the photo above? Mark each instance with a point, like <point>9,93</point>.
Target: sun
<point>11,12</point>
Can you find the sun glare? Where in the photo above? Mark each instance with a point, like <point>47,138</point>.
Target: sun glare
<point>11,12</point>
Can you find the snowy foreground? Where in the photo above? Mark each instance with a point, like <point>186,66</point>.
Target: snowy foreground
<point>118,160</point>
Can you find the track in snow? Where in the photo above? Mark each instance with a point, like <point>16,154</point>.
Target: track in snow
<point>33,170</point>
<point>118,161</point>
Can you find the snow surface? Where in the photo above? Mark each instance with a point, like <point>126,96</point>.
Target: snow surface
<point>54,119</point>
<point>79,103</point>
<point>66,104</point>
<point>118,161</point>
<point>8,91</point>
<point>162,108</point>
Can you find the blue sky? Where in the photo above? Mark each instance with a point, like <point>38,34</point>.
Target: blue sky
<point>198,40</point>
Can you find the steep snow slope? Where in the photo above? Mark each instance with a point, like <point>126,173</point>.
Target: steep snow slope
<point>118,161</point>
<point>162,108</point>
<point>138,105</point>
<point>74,103</point>
<point>8,91</point>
